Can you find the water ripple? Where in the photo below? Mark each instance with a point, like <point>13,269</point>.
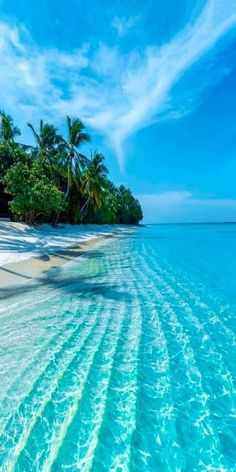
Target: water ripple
<point>122,361</point>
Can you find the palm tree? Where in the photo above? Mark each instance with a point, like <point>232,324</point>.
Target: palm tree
<point>8,131</point>
<point>94,181</point>
<point>47,142</point>
<point>75,161</point>
<point>112,200</point>
<point>10,149</point>
<point>9,152</point>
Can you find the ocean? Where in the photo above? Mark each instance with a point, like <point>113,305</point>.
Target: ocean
<point>124,359</point>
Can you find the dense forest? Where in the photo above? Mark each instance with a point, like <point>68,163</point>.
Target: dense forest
<point>52,181</point>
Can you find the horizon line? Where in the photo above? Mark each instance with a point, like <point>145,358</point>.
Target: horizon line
<point>193,223</point>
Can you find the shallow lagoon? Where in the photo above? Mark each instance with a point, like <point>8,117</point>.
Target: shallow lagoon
<point>124,359</point>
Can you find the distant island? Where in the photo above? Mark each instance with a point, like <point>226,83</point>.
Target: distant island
<point>52,181</point>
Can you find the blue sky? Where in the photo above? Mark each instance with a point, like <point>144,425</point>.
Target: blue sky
<point>154,81</point>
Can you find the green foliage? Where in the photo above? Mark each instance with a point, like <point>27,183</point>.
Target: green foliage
<point>94,183</point>
<point>10,152</point>
<point>129,211</point>
<point>8,131</point>
<point>46,143</point>
<point>53,181</point>
<point>35,197</point>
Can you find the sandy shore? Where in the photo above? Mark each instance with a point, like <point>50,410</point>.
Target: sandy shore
<point>19,241</point>
<point>29,265</point>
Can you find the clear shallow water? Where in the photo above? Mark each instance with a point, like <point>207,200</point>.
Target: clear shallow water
<point>124,360</point>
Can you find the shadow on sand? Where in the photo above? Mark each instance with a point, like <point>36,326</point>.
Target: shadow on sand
<point>57,278</point>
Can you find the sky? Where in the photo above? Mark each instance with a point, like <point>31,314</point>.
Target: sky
<point>153,81</point>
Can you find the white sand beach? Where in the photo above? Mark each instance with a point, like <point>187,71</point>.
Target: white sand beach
<point>28,252</point>
<point>19,241</point>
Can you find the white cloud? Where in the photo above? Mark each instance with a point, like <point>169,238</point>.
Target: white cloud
<point>123,24</point>
<point>169,198</point>
<point>184,206</point>
<point>113,93</point>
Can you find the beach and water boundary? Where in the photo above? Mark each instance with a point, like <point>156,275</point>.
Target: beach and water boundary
<point>31,266</point>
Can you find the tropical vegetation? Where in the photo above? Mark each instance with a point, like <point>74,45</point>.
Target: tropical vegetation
<point>53,181</point>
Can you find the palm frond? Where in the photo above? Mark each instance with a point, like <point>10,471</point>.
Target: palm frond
<point>7,129</point>
<point>36,136</point>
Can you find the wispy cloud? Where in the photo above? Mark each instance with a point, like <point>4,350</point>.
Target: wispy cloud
<point>124,24</point>
<point>114,93</point>
<point>167,198</point>
<point>184,206</point>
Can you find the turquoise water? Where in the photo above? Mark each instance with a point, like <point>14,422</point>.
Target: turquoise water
<point>124,359</point>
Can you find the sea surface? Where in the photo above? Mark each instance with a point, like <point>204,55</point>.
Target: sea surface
<point>124,359</point>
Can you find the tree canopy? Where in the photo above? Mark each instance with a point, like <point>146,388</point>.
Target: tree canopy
<point>52,181</point>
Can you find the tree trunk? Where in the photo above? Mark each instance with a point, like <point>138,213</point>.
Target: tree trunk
<point>66,193</point>
<point>85,206</point>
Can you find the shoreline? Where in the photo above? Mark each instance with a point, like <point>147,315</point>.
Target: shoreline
<point>19,241</point>
<point>15,276</point>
